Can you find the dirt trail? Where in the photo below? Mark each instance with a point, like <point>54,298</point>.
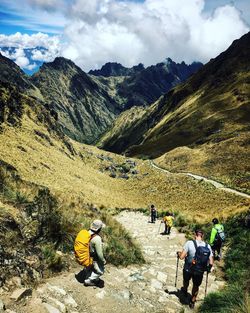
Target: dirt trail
<point>210,181</point>
<point>132,289</point>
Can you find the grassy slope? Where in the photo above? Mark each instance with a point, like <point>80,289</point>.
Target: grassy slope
<point>206,121</point>
<point>74,177</point>
<point>118,134</point>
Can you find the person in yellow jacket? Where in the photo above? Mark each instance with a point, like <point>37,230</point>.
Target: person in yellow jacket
<point>88,249</point>
<point>168,221</point>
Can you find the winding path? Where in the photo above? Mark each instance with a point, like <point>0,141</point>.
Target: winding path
<point>210,181</point>
<point>127,290</point>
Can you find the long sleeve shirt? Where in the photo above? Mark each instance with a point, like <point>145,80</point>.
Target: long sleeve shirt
<point>96,248</point>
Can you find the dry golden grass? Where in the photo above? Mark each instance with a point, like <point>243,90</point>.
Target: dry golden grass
<point>226,161</point>
<point>79,180</point>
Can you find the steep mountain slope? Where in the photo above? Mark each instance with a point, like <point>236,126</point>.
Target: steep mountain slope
<point>84,108</point>
<point>210,112</point>
<point>142,86</point>
<point>11,73</point>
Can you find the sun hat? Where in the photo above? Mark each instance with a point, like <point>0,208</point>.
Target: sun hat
<point>96,225</point>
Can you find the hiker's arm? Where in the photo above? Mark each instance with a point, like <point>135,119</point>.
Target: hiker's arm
<point>98,248</point>
<point>211,258</point>
<point>182,254</point>
<point>212,236</point>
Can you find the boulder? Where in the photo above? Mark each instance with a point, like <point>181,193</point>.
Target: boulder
<point>2,306</point>
<point>21,293</point>
<point>50,308</point>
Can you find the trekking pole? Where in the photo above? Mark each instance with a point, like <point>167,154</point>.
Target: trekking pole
<point>159,228</point>
<point>177,265</point>
<point>206,285</point>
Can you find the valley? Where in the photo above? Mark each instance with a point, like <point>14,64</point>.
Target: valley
<point>107,144</point>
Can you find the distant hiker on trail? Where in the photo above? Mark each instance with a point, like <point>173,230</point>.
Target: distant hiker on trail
<point>89,252</point>
<point>198,257</point>
<point>153,213</point>
<point>168,221</point>
<point>217,238</point>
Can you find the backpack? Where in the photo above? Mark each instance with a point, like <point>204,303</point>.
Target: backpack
<point>81,248</point>
<point>201,258</point>
<point>220,236</point>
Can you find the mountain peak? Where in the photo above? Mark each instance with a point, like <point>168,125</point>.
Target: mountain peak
<point>116,69</point>
<point>60,63</point>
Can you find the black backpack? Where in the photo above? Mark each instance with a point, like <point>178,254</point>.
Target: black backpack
<point>201,258</point>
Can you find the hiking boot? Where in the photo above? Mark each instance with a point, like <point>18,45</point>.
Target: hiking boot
<point>88,282</point>
<point>191,304</point>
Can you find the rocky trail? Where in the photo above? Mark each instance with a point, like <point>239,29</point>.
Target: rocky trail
<point>209,181</point>
<point>147,288</point>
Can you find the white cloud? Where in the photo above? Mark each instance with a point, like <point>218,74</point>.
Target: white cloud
<point>98,31</point>
<point>49,5</point>
<point>38,47</point>
<point>127,32</point>
<point>18,55</point>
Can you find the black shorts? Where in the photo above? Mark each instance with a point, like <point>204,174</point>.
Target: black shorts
<point>196,277</point>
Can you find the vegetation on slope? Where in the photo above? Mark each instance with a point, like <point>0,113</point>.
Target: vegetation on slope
<point>206,121</point>
<point>235,297</point>
<point>39,231</point>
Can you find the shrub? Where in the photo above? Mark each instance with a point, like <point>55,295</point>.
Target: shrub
<point>235,297</point>
<point>52,259</point>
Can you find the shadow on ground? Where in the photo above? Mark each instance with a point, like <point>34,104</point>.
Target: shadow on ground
<point>183,298</point>
<point>83,274</point>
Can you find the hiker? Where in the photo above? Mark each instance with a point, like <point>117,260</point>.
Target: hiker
<point>217,238</point>
<point>198,257</point>
<point>153,213</point>
<point>168,221</point>
<point>89,252</point>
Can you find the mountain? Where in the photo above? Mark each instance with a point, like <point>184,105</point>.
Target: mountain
<point>87,104</point>
<point>11,73</point>
<point>208,116</point>
<point>116,69</point>
<point>84,107</point>
<point>142,86</point>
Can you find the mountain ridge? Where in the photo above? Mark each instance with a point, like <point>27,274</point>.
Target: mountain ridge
<point>198,123</point>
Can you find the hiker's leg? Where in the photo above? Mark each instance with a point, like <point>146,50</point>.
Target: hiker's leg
<point>197,280</point>
<point>166,228</point>
<point>186,278</point>
<point>97,271</point>
<point>213,250</point>
<point>219,251</point>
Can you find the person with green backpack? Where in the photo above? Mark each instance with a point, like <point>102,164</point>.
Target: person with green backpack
<point>217,238</point>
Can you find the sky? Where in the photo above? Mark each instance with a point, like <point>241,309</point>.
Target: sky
<point>93,32</point>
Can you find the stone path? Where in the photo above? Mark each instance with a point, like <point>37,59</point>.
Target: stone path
<point>131,290</point>
<point>209,181</point>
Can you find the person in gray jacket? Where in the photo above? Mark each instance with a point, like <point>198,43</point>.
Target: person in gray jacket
<point>96,252</point>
